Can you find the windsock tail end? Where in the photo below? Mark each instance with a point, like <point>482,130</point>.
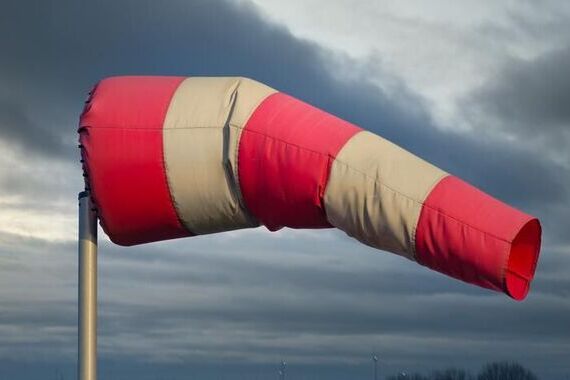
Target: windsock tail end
<point>523,257</point>
<point>471,236</point>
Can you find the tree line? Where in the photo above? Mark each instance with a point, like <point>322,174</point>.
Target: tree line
<point>490,371</point>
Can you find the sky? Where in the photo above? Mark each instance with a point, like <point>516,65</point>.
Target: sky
<point>479,88</point>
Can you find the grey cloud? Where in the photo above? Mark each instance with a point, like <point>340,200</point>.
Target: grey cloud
<point>533,94</point>
<point>317,294</point>
<point>528,98</point>
<point>188,45</point>
<point>16,128</point>
<point>246,302</point>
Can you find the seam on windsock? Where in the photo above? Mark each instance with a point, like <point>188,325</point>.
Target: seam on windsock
<point>158,129</point>
<point>504,265</point>
<point>330,163</point>
<point>234,168</point>
<point>164,164</point>
<point>285,142</point>
<point>241,201</point>
<point>425,195</point>
<point>226,162</point>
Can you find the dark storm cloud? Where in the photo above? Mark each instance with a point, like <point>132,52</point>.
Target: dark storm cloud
<point>65,49</point>
<point>529,98</point>
<point>315,300</point>
<point>246,297</point>
<point>533,94</point>
<point>16,128</point>
<point>332,286</point>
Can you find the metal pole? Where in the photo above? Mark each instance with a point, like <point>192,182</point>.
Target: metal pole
<point>375,360</point>
<point>87,323</point>
<point>375,370</point>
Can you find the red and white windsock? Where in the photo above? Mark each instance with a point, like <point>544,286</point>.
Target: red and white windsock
<point>168,157</point>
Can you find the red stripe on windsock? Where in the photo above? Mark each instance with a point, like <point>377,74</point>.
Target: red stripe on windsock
<point>121,136</point>
<point>471,236</point>
<point>285,154</point>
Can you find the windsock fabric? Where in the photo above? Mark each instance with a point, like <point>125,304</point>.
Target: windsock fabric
<point>168,157</point>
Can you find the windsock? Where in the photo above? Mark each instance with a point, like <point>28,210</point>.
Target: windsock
<point>170,157</point>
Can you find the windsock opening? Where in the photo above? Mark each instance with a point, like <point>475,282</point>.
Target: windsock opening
<point>523,258</point>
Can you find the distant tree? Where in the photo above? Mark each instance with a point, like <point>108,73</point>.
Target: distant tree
<point>407,376</point>
<point>451,374</point>
<point>416,376</point>
<point>491,371</point>
<point>505,371</point>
